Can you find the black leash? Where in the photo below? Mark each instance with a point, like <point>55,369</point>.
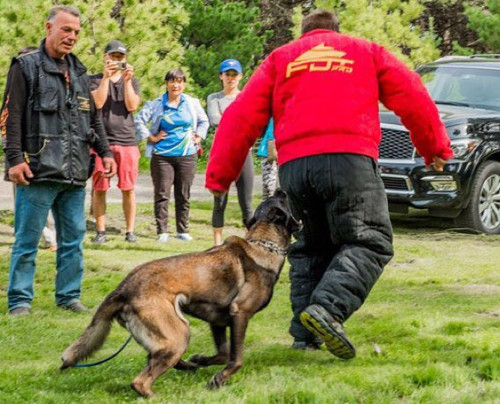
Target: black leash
<point>88,365</point>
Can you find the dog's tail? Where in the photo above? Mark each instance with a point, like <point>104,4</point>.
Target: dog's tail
<point>95,334</point>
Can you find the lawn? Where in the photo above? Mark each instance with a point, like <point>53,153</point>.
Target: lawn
<point>428,333</point>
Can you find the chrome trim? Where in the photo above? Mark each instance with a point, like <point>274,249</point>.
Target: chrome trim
<point>396,161</point>
<point>438,178</point>
<point>394,126</point>
<point>464,65</point>
<point>406,179</point>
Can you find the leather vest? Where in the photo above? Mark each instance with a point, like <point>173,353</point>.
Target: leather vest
<point>57,119</point>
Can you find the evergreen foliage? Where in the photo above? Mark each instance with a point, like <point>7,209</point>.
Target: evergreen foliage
<point>448,21</point>
<point>218,30</point>
<point>389,23</point>
<point>485,20</point>
<point>151,30</point>
<point>197,35</point>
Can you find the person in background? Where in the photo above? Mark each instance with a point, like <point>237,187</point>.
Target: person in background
<point>177,124</point>
<point>269,166</point>
<point>323,91</point>
<point>50,126</point>
<point>230,74</point>
<point>48,239</point>
<point>116,95</point>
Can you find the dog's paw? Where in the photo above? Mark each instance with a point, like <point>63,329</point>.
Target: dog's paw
<point>217,381</point>
<point>139,389</point>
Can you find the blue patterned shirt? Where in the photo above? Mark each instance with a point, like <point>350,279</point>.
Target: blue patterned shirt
<point>178,124</point>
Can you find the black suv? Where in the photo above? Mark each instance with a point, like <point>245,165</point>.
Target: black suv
<point>466,90</point>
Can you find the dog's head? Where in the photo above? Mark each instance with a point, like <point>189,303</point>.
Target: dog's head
<point>275,210</point>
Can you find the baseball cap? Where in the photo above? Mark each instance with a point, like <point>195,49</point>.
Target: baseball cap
<point>116,46</point>
<point>230,64</point>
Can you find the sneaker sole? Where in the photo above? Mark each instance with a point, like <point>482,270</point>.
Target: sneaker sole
<point>337,344</point>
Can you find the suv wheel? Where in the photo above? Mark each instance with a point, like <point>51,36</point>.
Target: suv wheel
<point>483,212</point>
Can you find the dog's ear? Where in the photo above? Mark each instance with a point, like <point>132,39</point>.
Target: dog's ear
<point>293,225</point>
<point>276,215</point>
<point>284,218</point>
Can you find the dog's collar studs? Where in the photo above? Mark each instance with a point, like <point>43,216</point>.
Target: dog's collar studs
<point>270,246</point>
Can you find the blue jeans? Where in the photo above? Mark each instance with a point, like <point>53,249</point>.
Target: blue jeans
<point>33,203</point>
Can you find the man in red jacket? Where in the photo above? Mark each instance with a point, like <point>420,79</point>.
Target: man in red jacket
<point>323,91</point>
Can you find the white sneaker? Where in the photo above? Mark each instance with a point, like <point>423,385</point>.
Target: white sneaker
<point>162,238</point>
<point>184,236</point>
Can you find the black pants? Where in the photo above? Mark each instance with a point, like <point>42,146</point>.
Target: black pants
<point>346,239</point>
<point>244,188</point>
<point>180,172</point>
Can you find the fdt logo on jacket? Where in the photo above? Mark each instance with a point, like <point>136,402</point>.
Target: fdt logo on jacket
<point>321,58</point>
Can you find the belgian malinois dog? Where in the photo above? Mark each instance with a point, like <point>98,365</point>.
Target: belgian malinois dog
<point>225,286</point>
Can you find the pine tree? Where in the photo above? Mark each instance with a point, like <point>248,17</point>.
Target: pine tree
<point>151,30</point>
<point>449,22</point>
<point>485,20</point>
<point>219,30</point>
<point>387,22</point>
<point>20,26</point>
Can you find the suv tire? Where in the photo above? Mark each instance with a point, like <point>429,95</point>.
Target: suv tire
<point>483,211</point>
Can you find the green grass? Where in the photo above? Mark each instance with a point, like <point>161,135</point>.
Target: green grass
<point>428,333</point>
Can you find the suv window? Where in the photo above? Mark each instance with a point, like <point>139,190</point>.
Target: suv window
<point>471,87</point>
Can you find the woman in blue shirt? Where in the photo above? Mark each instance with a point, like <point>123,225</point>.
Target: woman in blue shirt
<point>178,123</point>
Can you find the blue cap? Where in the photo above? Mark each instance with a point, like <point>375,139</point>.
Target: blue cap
<point>230,64</point>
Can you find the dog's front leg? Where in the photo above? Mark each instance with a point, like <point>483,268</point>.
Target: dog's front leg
<point>239,322</point>
<point>186,365</point>
<point>222,355</point>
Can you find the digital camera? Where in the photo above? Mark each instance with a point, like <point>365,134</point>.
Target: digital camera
<point>120,65</point>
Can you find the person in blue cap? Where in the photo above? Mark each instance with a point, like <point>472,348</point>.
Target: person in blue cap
<point>230,74</point>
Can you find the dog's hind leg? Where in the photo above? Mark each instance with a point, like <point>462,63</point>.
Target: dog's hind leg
<point>160,361</point>
<point>222,346</point>
<point>166,338</point>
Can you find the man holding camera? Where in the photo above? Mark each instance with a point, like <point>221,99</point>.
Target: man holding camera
<point>116,95</point>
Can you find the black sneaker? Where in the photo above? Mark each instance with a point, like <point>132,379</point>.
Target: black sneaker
<point>317,320</point>
<point>130,237</point>
<point>100,238</point>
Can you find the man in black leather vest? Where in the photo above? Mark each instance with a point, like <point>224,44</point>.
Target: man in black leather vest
<point>51,124</point>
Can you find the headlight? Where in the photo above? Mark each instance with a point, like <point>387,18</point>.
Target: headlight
<point>443,183</point>
<point>459,130</point>
<point>463,148</point>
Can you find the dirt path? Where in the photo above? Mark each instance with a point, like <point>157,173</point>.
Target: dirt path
<point>144,191</point>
